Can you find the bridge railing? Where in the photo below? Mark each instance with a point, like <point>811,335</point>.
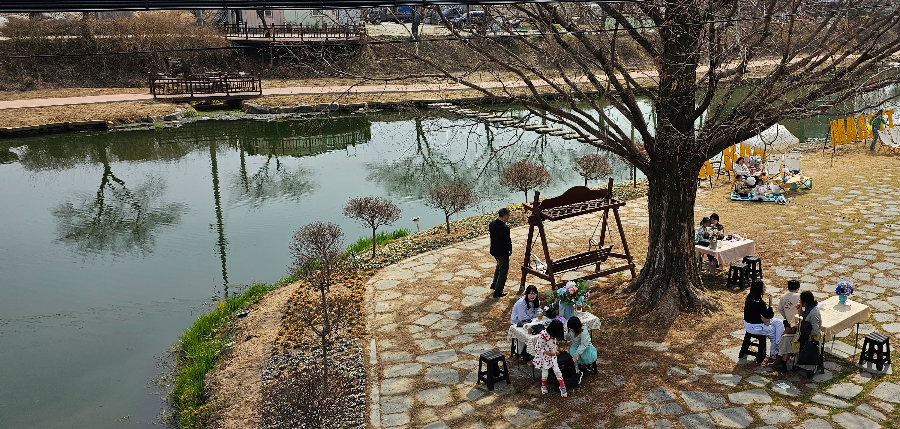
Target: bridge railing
<point>295,31</point>
<point>207,85</point>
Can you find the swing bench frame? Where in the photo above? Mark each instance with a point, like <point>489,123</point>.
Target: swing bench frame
<point>576,201</point>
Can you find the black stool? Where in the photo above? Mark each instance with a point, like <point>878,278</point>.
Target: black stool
<point>760,345</point>
<point>591,368</point>
<point>754,267</point>
<point>876,349</point>
<point>493,373</point>
<point>738,275</point>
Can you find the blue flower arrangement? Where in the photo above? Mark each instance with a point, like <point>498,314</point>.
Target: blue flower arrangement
<point>844,288</point>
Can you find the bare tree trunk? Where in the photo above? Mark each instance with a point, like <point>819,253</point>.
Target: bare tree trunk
<point>373,242</point>
<point>668,282</point>
<point>447,220</point>
<point>326,330</point>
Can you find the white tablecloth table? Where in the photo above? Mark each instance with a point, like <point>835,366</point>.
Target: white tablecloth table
<point>728,250</point>
<point>837,317</point>
<point>525,341</point>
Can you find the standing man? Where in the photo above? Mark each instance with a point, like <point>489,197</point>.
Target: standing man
<point>877,122</point>
<point>501,249</point>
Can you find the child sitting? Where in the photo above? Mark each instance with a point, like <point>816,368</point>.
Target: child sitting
<point>545,351</point>
<point>581,349</point>
<point>787,305</point>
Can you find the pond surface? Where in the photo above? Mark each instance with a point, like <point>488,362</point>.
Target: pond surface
<point>113,243</point>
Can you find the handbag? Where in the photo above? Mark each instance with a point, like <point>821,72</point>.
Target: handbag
<point>809,353</point>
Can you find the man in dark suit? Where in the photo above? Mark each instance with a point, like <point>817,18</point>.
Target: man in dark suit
<point>501,249</point>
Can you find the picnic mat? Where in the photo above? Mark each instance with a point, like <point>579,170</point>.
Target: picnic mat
<point>768,198</point>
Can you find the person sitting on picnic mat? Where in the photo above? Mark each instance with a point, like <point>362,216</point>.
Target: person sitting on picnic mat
<point>759,317</point>
<point>545,352</point>
<point>741,170</point>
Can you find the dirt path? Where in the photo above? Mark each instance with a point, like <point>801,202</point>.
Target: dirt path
<point>236,383</point>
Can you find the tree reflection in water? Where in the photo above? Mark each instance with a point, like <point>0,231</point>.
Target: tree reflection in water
<point>443,151</point>
<point>116,219</point>
<point>269,183</point>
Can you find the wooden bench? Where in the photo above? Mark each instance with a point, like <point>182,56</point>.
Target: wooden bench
<point>578,260</point>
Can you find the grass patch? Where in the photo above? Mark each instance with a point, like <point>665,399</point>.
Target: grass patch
<point>200,348</point>
<point>365,243</point>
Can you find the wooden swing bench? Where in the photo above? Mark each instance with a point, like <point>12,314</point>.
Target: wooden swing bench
<point>579,260</point>
<point>577,201</point>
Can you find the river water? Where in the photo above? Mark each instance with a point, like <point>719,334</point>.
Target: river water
<point>113,243</point>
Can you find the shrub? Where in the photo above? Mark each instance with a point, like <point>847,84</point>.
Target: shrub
<point>297,393</point>
<point>450,199</point>
<point>524,176</point>
<point>372,212</point>
<point>592,166</point>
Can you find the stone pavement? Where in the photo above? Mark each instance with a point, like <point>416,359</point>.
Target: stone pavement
<point>430,318</point>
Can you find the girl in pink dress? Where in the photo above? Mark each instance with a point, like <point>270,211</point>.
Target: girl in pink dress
<point>545,352</point>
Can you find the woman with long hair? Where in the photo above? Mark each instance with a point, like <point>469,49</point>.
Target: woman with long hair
<point>759,317</point>
<point>527,307</point>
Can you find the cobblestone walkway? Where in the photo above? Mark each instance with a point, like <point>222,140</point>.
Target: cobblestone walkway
<point>432,317</point>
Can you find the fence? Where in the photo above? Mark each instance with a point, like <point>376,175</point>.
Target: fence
<point>206,86</point>
<point>324,32</point>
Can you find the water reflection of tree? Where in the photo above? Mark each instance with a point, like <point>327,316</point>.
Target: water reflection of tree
<point>273,180</point>
<point>473,153</point>
<point>116,219</point>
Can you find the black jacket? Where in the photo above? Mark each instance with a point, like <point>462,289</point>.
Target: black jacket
<point>501,243</point>
<point>754,308</point>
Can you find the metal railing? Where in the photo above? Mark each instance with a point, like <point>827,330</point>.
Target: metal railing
<point>207,85</point>
<point>326,32</point>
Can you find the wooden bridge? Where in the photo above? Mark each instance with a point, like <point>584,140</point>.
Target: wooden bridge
<point>296,34</point>
<point>208,86</point>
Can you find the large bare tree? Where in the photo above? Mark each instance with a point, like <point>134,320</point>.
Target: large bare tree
<point>668,84</point>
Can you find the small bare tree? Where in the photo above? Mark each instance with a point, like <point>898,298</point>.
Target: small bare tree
<point>319,246</point>
<point>372,212</point>
<point>524,176</point>
<point>451,199</point>
<point>592,166</point>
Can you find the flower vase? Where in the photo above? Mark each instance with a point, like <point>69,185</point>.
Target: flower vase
<point>566,310</point>
<point>842,299</point>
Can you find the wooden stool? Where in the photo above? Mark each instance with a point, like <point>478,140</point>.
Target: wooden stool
<point>876,349</point>
<point>754,267</point>
<point>760,345</point>
<point>738,275</point>
<point>492,372</point>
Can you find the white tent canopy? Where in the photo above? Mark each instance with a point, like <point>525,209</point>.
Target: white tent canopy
<point>775,139</point>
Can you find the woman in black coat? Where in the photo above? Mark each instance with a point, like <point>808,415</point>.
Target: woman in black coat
<point>759,317</point>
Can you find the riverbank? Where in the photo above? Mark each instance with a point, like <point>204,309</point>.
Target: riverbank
<point>435,301</point>
<point>285,96</point>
